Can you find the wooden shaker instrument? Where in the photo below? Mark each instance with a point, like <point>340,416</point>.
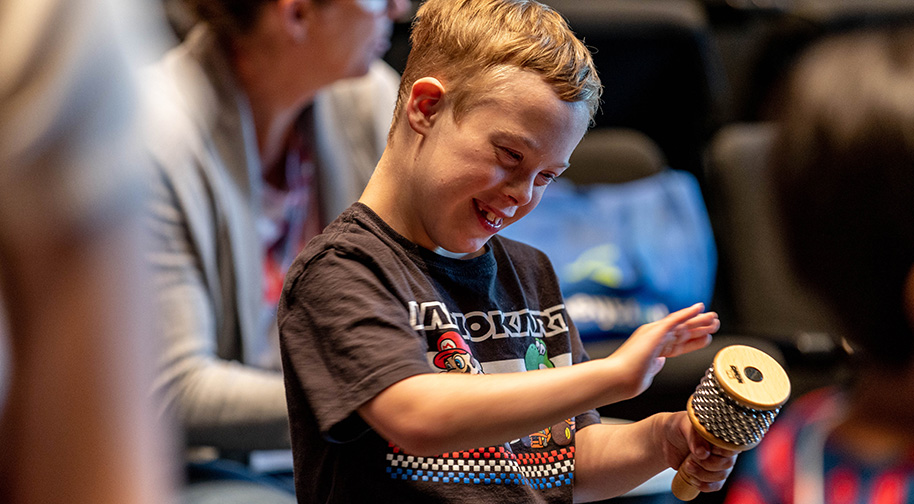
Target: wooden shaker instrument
<point>734,404</point>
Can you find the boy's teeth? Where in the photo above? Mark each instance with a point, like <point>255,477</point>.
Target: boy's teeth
<point>493,219</point>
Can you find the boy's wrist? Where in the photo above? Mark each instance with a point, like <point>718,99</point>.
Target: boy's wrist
<point>610,380</point>
<point>619,382</point>
<point>661,428</point>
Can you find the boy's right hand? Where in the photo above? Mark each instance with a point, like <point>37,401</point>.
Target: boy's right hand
<point>644,353</point>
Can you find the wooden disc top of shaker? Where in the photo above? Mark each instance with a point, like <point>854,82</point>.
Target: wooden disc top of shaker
<point>751,377</point>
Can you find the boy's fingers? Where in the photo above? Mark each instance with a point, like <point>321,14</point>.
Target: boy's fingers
<point>702,320</point>
<point>710,328</point>
<point>723,452</point>
<point>696,330</point>
<point>686,330</point>
<point>678,317</point>
<point>687,346</point>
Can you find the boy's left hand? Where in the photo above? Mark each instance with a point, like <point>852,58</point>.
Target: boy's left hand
<point>643,354</point>
<point>705,464</point>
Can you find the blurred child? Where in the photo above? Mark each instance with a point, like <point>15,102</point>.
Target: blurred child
<point>843,171</point>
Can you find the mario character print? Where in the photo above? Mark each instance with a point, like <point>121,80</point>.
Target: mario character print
<point>454,355</point>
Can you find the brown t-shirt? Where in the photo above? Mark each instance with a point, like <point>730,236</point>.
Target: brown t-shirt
<point>363,308</point>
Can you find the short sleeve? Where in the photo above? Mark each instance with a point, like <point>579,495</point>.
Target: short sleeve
<point>345,334</point>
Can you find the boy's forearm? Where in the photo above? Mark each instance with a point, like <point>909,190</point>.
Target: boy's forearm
<point>436,413</point>
<point>611,459</point>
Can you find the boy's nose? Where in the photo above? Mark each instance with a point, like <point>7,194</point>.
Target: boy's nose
<point>519,190</point>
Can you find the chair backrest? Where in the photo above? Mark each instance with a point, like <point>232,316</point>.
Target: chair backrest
<point>613,156</point>
<point>660,68</point>
<point>765,297</point>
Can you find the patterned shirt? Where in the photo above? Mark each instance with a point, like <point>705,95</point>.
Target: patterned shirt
<point>290,217</point>
<point>796,457</point>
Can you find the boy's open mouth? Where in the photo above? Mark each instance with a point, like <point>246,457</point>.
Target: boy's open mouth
<point>493,220</point>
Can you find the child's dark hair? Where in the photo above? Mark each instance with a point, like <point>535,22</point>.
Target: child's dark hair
<point>843,172</point>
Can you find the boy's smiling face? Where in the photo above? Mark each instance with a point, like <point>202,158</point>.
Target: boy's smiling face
<point>474,176</point>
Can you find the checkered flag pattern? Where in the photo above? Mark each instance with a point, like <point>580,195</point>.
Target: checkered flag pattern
<point>487,466</point>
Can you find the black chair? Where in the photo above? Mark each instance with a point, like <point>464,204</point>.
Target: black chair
<point>399,39</point>
<point>767,299</point>
<point>613,156</point>
<point>763,296</point>
<point>660,69</point>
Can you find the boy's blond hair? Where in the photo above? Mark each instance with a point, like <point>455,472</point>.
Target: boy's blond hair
<point>463,43</point>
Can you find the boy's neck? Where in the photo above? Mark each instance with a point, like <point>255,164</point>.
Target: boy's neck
<point>458,255</point>
<point>389,198</point>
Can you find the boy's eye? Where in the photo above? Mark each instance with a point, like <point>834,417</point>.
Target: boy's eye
<point>546,178</point>
<point>512,155</point>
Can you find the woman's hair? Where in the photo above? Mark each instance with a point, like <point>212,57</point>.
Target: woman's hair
<point>230,18</point>
<point>843,172</point>
<point>464,43</point>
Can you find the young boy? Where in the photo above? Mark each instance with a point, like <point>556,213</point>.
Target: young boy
<point>412,335</point>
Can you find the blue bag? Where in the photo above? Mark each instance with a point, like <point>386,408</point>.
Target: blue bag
<point>625,254</point>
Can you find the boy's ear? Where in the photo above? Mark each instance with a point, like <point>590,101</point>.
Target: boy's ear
<point>426,100</point>
<point>294,17</point>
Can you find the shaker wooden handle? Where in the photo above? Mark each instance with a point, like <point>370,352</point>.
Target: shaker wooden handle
<point>682,486</point>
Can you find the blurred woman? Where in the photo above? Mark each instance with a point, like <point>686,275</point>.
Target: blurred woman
<point>270,118</point>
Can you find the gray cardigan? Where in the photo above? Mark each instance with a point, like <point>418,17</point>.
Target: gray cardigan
<point>218,371</point>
